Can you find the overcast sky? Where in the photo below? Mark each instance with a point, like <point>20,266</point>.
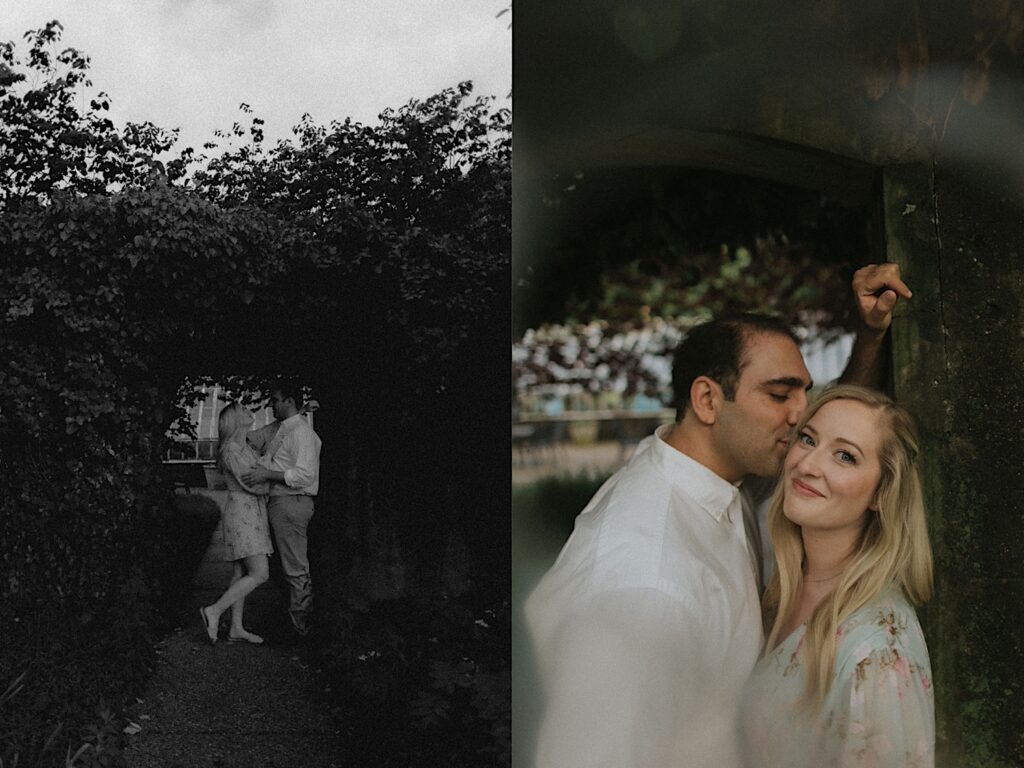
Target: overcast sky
<point>190,63</point>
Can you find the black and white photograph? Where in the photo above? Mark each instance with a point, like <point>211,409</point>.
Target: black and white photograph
<point>254,268</point>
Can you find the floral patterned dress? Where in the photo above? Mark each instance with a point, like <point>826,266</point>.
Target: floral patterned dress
<point>878,713</point>
<point>244,515</point>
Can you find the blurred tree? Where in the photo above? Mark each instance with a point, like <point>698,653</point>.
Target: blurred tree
<point>607,244</point>
<point>774,277</point>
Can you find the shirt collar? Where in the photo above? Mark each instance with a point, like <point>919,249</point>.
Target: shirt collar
<point>712,493</point>
<point>291,421</point>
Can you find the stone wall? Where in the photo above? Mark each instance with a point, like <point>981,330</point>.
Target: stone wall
<point>958,351</point>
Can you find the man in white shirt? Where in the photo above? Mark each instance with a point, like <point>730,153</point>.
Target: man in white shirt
<point>290,460</point>
<point>648,624</point>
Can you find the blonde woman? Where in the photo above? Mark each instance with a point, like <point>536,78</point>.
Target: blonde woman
<point>845,678</point>
<point>244,520</point>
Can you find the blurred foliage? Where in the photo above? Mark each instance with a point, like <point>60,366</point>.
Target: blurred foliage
<point>544,512</point>
<point>365,262</point>
<point>543,515</point>
<point>909,65</point>
<point>774,278</point>
<point>630,244</point>
<point>427,675</point>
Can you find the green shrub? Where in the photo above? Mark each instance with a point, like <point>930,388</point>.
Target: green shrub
<point>543,514</point>
<point>184,535</point>
<point>69,667</point>
<point>422,680</point>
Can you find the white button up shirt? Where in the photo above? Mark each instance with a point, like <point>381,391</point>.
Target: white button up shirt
<point>648,624</point>
<point>294,450</point>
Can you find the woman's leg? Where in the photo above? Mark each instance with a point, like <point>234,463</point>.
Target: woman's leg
<point>258,568</point>
<point>256,574</point>
<point>238,606</point>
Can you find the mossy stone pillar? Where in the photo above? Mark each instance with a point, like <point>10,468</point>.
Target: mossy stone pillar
<point>958,354</point>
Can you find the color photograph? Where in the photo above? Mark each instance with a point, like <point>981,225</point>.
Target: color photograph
<point>767,343</point>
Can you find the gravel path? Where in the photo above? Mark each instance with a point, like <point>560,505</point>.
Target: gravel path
<point>232,704</point>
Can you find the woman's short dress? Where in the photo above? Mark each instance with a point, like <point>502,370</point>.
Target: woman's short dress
<point>244,514</point>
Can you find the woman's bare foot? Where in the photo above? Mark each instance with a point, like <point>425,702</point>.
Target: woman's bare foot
<point>243,636</point>
<point>209,624</point>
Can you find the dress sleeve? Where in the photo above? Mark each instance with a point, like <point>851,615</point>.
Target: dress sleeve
<point>234,461</point>
<point>260,438</point>
<point>885,713</point>
<point>619,674</point>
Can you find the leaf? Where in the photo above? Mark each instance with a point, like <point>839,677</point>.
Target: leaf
<point>52,737</point>
<point>74,138</point>
<point>8,76</point>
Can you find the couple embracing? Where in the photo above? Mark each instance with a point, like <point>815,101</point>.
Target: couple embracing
<point>658,645</point>
<point>272,474</point>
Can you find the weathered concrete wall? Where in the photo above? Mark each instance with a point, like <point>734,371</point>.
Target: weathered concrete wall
<point>959,366</point>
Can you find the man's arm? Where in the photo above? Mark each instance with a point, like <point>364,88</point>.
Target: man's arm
<point>302,445</point>
<point>233,463</point>
<point>876,288</point>
<point>260,438</point>
<point>626,677</point>
<point>260,474</point>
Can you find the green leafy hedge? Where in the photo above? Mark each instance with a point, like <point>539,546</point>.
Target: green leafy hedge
<point>422,679</point>
<point>78,640</point>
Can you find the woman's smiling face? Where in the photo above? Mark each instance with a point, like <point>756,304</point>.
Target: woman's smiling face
<point>833,467</point>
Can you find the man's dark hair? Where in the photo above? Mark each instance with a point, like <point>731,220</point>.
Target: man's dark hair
<point>289,390</point>
<point>716,349</point>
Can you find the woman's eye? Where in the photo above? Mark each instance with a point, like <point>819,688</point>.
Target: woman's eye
<point>847,457</point>
<point>806,439</point>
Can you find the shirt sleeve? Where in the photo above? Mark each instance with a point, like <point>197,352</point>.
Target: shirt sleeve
<point>307,459</point>
<point>235,462</point>
<point>260,438</point>
<point>623,675</point>
<point>887,717</point>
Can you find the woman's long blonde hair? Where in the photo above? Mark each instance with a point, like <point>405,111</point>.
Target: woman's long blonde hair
<point>228,423</point>
<point>893,550</point>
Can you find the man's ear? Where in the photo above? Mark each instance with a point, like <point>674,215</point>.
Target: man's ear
<point>705,395</point>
